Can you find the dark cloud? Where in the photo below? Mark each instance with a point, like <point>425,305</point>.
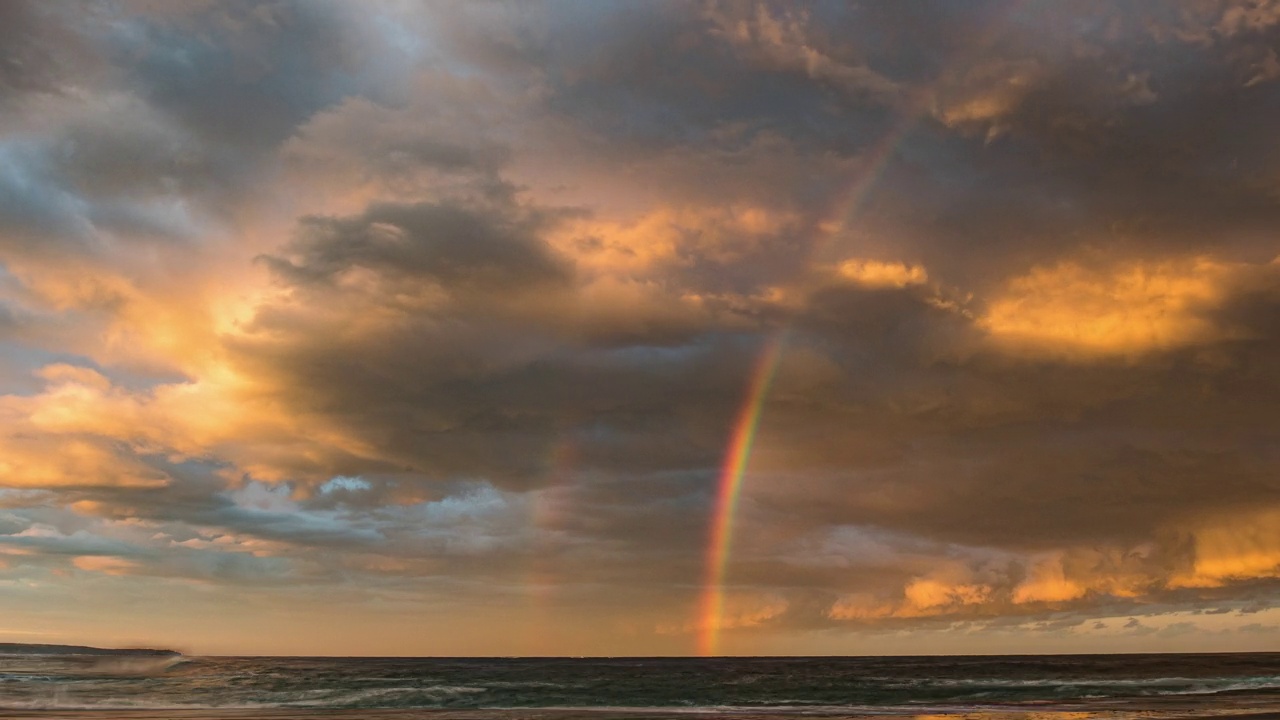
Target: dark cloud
<point>116,173</point>
<point>207,64</point>
<point>46,48</point>
<point>460,248</point>
<point>175,114</point>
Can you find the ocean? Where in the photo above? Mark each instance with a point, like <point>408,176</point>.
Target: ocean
<point>1065,687</point>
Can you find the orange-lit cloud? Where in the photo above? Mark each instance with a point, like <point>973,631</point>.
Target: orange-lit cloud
<point>741,612</point>
<point>1047,582</point>
<point>669,238</point>
<point>950,590</point>
<point>876,273</point>
<point>1118,309</point>
<point>1242,546</point>
<point>1221,551</point>
<point>105,565</point>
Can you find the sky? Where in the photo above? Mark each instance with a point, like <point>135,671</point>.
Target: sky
<point>664,328</point>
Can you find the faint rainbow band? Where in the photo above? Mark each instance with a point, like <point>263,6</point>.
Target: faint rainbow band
<point>742,435</point>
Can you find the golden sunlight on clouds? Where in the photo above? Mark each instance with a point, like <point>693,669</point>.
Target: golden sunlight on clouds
<point>105,564</point>
<point>1223,550</point>
<point>1234,548</point>
<point>983,96</point>
<point>669,236</point>
<point>948,590</point>
<point>71,429</point>
<point>1047,582</point>
<point>1078,309</point>
<point>619,306</point>
<point>33,461</point>
<point>161,327</point>
<point>926,595</point>
<point>741,611</point>
<point>879,274</point>
<point>860,606</point>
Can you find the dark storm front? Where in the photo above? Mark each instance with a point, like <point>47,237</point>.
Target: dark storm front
<point>1183,683</point>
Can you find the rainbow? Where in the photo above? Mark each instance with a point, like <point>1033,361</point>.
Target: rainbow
<point>726,503</point>
<point>821,236</point>
<point>729,487</point>
<point>849,199</point>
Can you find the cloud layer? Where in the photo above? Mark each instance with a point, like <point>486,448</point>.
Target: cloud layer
<point>439,317</point>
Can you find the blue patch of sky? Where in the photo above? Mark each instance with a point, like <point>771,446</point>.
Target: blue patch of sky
<point>472,501</point>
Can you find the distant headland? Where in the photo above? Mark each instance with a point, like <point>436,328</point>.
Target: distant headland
<point>42,649</point>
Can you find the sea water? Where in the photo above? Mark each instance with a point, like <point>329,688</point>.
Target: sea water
<point>1062,686</point>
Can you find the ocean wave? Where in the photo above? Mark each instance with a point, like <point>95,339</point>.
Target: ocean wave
<point>24,678</point>
<point>135,666</point>
<point>521,684</point>
<point>1179,685</point>
<point>1229,687</point>
<point>814,686</point>
<point>409,696</point>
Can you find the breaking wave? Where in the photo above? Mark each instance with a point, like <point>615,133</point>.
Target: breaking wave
<point>816,686</point>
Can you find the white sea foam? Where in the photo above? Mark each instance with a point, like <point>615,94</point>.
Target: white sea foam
<point>141,666</point>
